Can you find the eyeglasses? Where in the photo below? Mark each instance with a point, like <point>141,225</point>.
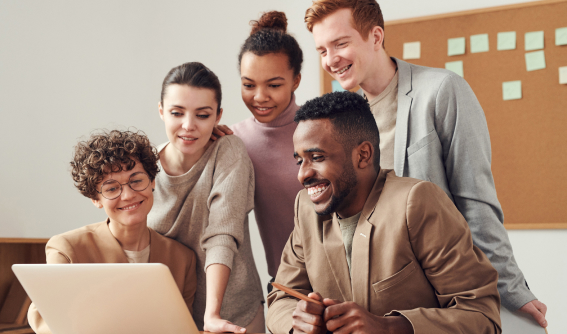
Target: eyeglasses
<point>112,189</point>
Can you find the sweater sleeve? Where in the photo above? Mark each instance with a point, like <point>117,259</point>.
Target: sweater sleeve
<point>229,202</point>
<point>55,252</point>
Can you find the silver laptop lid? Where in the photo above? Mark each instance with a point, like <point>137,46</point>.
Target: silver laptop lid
<point>106,298</point>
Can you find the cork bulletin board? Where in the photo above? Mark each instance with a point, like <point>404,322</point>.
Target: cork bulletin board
<point>529,134</point>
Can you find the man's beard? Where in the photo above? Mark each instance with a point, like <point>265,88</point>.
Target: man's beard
<point>345,183</point>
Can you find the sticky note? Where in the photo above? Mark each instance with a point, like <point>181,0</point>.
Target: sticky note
<point>512,90</point>
<point>412,50</point>
<point>506,41</point>
<point>535,61</point>
<point>456,46</point>
<point>561,36</point>
<point>455,66</point>
<point>337,86</point>
<point>533,40</point>
<point>563,75</point>
<point>479,43</point>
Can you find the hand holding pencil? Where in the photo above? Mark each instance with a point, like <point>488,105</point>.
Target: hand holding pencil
<point>308,315</point>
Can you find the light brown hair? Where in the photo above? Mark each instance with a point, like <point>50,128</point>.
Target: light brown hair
<point>366,14</point>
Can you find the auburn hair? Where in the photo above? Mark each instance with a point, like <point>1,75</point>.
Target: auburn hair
<point>366,14</point>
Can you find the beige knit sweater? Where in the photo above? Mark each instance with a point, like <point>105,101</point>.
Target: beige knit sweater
<point>206,209</point>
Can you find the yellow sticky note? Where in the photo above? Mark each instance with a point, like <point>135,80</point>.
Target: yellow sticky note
<point>412,50</point>
<point>535,61</point>
<point>533,40</point>
<point>456,46</point>
<point>479,43</point>
<point>561,36</point>
<point>506,41</point>
<point>563,75</point>
<point>512,90</point>
<point>455,66</point>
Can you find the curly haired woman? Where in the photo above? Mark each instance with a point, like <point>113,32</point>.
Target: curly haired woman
<point>117,171</point>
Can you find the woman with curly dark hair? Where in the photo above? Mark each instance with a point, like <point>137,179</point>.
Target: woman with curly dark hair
<point>117,171</point>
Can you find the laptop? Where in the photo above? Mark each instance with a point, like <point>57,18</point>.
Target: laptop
<point>106,298</point>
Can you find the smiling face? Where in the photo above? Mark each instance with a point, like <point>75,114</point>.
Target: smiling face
<point>131,208</point>
<point>267,84</point>
<point>189,114</point>
<point>325,169</point>
<point>345,55</point>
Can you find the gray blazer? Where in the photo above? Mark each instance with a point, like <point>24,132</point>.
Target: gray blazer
<point>442,137</point>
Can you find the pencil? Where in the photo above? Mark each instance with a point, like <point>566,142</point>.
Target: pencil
<point>545,330</point>
<point>295,293</point>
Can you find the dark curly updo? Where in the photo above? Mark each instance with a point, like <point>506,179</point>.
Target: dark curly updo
<point>111,152</point>
<point>269,35</point>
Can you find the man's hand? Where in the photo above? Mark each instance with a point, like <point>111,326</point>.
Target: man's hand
<point>537,310</point>
<point>349,317</point>
<point>220,130</point>
<point>308,317</point>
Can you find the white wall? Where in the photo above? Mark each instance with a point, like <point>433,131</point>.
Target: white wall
<point>69,67</point>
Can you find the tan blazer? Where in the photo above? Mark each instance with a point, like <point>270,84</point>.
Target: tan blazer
<point>412,254</point>
<point>96,244</point>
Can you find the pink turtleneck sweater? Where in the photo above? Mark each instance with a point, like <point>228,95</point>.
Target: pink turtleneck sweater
<point>270,147</point>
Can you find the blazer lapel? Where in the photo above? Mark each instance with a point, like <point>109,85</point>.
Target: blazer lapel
<point>404,106</point>
<point>361,245</point>
<point>109,246</point>
<point>157,248</point>
<point>335,251</point>
<point>360,262</point>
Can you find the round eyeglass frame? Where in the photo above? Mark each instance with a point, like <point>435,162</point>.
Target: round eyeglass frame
<point>123,184</point>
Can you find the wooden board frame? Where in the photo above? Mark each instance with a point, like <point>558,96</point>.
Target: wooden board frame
<point>527,135</point>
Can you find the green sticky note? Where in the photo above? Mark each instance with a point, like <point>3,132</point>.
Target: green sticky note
<point>506,41</point>
<point>533,40</point>
<point>561,36</point>
<point>479,43</point>
<point>455,66</point>
<point>456,46</point>
<point>512,90</point>
<point>535,60</point>
<point>337,86</point>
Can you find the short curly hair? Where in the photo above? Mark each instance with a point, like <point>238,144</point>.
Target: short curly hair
<point>351,117</point>
<point>111,152</point>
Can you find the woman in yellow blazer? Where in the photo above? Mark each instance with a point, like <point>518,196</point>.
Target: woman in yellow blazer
<point>116,170</point>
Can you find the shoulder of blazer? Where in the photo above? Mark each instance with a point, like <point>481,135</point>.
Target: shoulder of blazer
<point>417,78</point>
<point>397,189</point>
<point>83,235</point>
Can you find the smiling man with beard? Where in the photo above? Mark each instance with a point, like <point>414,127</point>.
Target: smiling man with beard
<point>384,254</point>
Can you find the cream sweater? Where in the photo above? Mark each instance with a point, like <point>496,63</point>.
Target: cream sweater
<point>207,209</point>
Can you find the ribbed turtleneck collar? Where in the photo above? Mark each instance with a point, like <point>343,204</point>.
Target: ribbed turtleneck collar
<point>285,118</point>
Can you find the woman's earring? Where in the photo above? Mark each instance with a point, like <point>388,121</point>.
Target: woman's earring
<point>153,189</point>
